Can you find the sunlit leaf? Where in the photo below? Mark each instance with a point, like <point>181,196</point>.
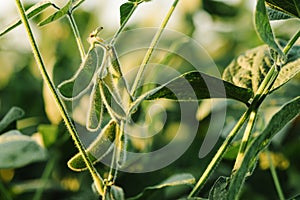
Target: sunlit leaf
<point>290,7</point>
<point>57,15</point>
<point>12,115</point>
<point>250,68</point>
<point>288,112</point>
<point>263,27</point>
<point>99,148</point>
<point>31,12</point>
<point>18,150</point>
<point>82,79</point>
<point>175,180</point>
<point>203,87</point>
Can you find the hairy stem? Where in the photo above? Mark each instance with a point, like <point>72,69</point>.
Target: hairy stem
<point>291,43</point>
<point>149,53</point>
<point>77,35</point>
<point>245,140</point>
<point>218,156</point>
<point>96,177</point>
<point>275,177</point>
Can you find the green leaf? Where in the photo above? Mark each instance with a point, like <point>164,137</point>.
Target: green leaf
<point>17,150</point>
<point>219,189</point>
<point>288,112</point>
<point>49,133</point>
<point>290,69</point>
<point>175,180</point>
<point>263,27</point>
<point>220,8</point>
<point>290,7</point>
<point>277,15</point>
<point>250,68</point>
<point>82,79</point>
<point>99,148</point>
<point>125,11</point>
<point>12,115</point>
<point>31,12</point>
<point>176,90</point>
<point>58,14</point>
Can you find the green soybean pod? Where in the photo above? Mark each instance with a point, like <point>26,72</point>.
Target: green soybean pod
<point>82,79</point>
<point>110,101</point>
<point>98,149</point>
<point>96,109</point>
<point>118,79</point>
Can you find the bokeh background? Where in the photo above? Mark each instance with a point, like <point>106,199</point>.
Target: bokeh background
<point>223,28</point>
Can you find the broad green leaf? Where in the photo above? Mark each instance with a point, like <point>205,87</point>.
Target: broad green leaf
<point>126,10</point>
<point>31,12</point>
<point>175,89</point>
<point>263,27</point>
<point>49,133</point>
<point>82,79</point>
<point>115,193</point>
<point>288,112</point>
<point>99,148</point>
<point>277,15</point>
<point>175,180</point>
<point>58,14</point>
<point>250,68</point>
<point>290,7</point>
<point>17,150</point>
<point>95,113</point>
<point>12,115</point>
<point>219,189</point>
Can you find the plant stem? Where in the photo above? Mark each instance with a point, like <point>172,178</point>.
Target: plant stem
<point>245,139</point>
<point>275,177</point>
<point>148,55</point>
<point>291,43</point>
<point>96,177</point>
<point>47,172</point>
<point>77,35</point>
<point>217,157</point>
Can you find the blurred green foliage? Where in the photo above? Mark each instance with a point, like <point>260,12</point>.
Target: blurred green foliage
<point>225,30</point>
